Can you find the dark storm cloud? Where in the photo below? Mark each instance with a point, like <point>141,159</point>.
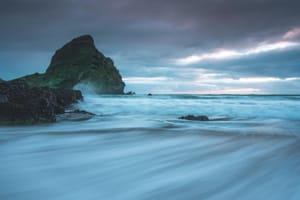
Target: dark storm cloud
<point>189,23</point>
<point>142,35</point>
<point>204,25</point>
<point>34,25</point>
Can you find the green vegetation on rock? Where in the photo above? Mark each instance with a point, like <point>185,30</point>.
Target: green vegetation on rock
<point>80,62</point>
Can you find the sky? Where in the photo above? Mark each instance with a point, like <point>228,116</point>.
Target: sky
<point>164,46</point>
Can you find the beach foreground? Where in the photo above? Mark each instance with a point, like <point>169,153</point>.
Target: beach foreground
<point>137,148</point>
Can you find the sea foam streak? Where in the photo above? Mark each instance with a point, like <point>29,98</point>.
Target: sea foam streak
<point>137,148</point>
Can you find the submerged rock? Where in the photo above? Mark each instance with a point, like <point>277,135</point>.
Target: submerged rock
<point>76,115</point>
<point>195,118</point>
<point>79,62</point>
<point>22,104</point>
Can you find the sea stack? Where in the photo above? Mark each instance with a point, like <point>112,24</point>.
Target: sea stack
<point>79,62</point>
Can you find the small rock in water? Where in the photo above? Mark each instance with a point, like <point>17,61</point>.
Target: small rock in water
<point>130,93</point>
<point>195,118</point>
<point>149,94</point>
<point>75,115</point>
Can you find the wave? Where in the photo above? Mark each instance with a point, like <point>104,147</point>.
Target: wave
<point>148,163</point>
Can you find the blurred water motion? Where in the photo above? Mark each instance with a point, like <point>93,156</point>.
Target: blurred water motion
<point>136,148</point>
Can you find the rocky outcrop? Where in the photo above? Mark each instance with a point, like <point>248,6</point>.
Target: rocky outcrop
<point>79,62</point>
<point>195,118</point>
<point>22,104</point>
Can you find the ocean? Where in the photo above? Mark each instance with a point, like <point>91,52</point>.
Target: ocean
<point>136,148</point>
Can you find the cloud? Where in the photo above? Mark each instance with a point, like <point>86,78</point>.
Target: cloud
<point>225,91</point>
<point>227,54</point>
<point>144,80</point>
<point>247,80</point>
<point>208,82</point>
<point>294,33</point>
<point>219,40</point>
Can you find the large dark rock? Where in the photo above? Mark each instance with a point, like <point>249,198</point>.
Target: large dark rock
<point>79,62</point>
<point>22,104</point>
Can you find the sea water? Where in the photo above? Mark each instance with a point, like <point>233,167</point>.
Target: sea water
<point>137,148</point>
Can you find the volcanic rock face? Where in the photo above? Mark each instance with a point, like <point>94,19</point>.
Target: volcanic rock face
<point>21,104</point>
<point>79,62</point>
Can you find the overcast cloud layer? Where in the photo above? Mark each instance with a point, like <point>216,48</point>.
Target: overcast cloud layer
<point>170,46</point>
